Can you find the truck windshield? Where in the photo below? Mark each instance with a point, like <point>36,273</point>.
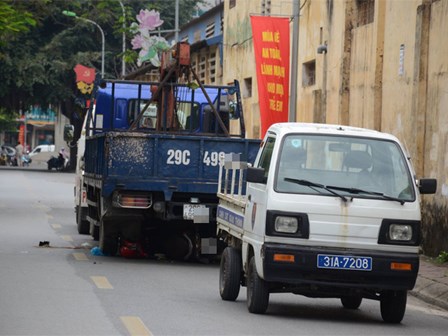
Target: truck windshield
<point>353,167</point>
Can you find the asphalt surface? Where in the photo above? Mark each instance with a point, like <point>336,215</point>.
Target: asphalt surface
<point>432,280</point>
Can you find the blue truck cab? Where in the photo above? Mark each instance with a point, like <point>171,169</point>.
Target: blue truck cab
<point>118,104</point>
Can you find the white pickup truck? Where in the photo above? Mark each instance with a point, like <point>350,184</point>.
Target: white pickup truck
<point>326,211</point>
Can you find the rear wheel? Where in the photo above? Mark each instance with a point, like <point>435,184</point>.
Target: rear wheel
<point>108,241</point>
<point>230,274</point>
<point>257,291</point>
<point>393,305</point>
<point>81,221</point>
<point>351,302</point>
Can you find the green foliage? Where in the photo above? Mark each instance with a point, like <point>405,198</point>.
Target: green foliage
<point>43,46</point>
<point>442,257</point>
<point>13,21</point>
<point>7,121</point>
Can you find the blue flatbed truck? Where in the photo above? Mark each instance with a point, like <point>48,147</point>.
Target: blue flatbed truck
<point>151,171</point>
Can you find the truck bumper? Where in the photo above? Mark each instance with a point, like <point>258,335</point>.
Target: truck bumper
<point>301,268</point>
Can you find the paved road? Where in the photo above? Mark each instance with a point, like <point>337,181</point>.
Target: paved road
<point>64,290</point>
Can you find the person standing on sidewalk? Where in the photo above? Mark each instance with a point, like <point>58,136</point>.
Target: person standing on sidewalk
<point>19,153</point>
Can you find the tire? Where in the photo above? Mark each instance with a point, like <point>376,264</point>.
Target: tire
<point>230,274</point>
<point>81,221</point>
<point>393,305</point>
<point>351,302</point>
<point>108,242</point>
<point>95,232</point>
<point>257,291</point>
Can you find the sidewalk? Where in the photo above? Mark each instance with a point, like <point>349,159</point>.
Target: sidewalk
<point>432,283</point>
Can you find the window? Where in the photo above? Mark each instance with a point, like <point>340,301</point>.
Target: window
<point>247,90</point>
<point>266,155</point>
<point>366,11</point>
<point>373,167</point>
<point>212,68</point>
<point>232,3</point>
<point>309,73</point>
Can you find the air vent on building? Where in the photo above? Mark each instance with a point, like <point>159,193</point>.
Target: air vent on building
<point>210,30</point>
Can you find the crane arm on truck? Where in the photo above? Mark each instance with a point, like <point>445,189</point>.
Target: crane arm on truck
<point>175,67</point>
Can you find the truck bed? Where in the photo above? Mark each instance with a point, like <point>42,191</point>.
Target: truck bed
<point>164,162</point>
<point>232,198</point>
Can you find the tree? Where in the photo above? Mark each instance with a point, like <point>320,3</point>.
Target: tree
<point>36,65</point>
<point>13,21</point>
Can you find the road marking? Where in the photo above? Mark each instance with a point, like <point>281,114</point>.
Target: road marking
<point>49,216</point>
<point>67,238</point>
<point>56,226</point>
<point>135,326</point>
<point>101,282</point>
<point>80,256</point>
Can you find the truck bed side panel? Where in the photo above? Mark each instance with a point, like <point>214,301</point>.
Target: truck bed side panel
<point>141,161</point>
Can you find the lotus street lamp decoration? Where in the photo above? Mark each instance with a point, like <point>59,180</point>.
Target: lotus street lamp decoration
<point>148,21</point>
<point>72,14</point>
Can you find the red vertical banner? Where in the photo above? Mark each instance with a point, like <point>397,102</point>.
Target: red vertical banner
<point>271,48</point>
<point>21,137</point>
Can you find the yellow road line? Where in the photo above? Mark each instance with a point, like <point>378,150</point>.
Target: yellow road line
<point>67,238</point>
<point>56,226</point>
<point>101,282</point>
<point>80,256</point>
<point>135,326</point>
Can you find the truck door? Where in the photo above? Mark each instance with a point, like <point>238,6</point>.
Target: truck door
<point>258,193</point>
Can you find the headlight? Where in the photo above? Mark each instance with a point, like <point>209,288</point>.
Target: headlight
<point>286,224</point>
<point>400,232</point>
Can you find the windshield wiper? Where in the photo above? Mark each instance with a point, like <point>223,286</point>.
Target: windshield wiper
<point>313,185</point>
<point>368,192</point>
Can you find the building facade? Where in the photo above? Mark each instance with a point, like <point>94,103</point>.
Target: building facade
<point>379,64</point>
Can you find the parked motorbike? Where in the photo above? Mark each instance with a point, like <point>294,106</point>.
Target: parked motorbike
<point>26,160</point>
<point>59,163</point>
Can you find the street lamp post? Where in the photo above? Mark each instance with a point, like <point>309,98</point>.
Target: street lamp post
<point>123,61</point>
<point>71,14</point>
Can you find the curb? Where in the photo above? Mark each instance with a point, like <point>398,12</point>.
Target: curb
<point>431,291</point>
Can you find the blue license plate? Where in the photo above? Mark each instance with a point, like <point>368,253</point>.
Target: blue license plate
<point>344,262</point>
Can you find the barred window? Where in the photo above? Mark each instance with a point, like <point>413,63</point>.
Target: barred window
<point>366,11</point>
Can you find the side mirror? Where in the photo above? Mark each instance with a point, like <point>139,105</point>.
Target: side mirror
<point>255,175</point>
<point>427,186</point>
<point>69,131</point>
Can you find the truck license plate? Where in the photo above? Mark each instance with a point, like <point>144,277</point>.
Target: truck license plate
<point>191,209</point>
<point>344,262</point>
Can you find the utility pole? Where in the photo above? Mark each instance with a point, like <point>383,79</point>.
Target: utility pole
<point>294,61</point>
<point>176,23</point>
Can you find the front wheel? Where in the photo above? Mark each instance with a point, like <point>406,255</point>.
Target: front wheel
<point>230,274</point>
<point>393,305</point>
<point>257,291</point>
